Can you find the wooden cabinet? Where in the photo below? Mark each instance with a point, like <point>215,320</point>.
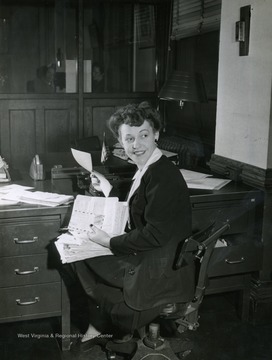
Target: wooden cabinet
<point>231,266</point>
<point>30,285</point>
<point>45,127</point>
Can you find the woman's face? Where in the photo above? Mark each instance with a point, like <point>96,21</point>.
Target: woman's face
<point>138,142</point>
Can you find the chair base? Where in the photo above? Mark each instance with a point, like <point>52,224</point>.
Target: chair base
<point>161,353</point>
<point>139,351</point>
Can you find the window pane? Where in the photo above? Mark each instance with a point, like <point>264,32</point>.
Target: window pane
<point>36,38</point>
<point>119,47</point>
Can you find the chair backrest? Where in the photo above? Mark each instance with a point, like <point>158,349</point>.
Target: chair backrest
<point>198,247</point>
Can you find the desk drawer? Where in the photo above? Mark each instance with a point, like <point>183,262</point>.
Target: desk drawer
<point>30,300</point>
<point>232,260</point>
<point>240,213</point>
<point>27,237</point>
<point>26,270</point>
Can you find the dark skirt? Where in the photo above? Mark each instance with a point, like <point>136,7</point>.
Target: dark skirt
<point>105,289</point>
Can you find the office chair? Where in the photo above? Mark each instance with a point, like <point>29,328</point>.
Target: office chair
<point>151,346</point>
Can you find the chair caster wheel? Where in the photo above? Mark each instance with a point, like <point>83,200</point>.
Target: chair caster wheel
<point>111,355</point>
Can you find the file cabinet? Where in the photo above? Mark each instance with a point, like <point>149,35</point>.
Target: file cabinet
<point>30,285</point>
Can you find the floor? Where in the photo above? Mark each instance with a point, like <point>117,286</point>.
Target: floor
<point>220,336</point>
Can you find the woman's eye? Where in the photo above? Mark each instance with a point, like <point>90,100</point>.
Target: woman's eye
<point>129,140</point>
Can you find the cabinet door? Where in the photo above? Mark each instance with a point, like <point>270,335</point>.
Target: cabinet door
<point>44,127</point>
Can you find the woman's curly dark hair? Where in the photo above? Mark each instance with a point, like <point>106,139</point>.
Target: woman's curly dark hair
<point>134,115</point>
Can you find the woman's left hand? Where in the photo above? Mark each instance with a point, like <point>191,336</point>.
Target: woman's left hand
<point>99,236</point>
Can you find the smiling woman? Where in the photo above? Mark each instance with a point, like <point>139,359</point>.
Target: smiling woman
<point>138,133</point>
<point>127,286</point>
<point>138,142</point>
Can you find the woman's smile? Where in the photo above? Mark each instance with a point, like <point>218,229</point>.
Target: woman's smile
<point>138,142</point>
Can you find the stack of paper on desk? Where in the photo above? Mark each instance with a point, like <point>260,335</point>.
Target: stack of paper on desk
<point>197,180</point>
<point>17,193</point>
<point>10,194</point>
<point>45,198</point>
<point>107,214</point>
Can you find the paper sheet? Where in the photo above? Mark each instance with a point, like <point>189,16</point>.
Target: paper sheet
<point>197,180</point>
<point>84,159</point>
<point>98,211</point>
<point>70,252</point>
<point>208,184</point>
<point>104,183</point>
<point>190,175</point>
<point>108,214</point>
<point>36,197</point>
<point>9,188</point>
<point>8,202</point>
<point>14,195</point>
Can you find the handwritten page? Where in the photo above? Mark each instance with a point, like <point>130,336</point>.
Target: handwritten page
<point>84,159</point>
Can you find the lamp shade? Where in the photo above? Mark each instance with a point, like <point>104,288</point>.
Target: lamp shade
<point>184,86</point>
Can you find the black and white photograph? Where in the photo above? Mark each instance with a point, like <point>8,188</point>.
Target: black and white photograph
<point>135,179</point>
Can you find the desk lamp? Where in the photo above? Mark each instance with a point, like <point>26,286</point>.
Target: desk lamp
<point>184,86</point>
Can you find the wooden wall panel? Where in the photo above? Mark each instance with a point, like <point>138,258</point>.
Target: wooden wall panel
<point>22,136</point>
<point>48,127</point>
<point>101,115</point>
<point>98,111</point>
<point>44,127</point>
<point>57,133</point>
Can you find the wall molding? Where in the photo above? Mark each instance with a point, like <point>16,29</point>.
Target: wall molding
<point>238,171</point>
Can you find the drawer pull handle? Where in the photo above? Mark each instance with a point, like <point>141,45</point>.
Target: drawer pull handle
<point>17,241</point>
<point>27,272</point>
<point>231,262</point>
<point>25,303</point>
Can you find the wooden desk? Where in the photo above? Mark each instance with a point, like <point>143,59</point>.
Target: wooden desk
<point>30,287</point>
<point>231,267</point>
